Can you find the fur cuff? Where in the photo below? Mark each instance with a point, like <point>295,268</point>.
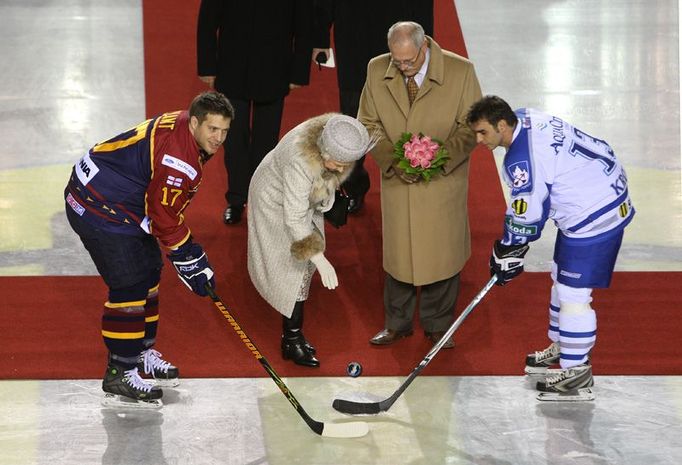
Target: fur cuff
<point>308,246</point>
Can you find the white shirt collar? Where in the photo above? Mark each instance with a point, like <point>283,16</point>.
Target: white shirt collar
<point>421,74</point>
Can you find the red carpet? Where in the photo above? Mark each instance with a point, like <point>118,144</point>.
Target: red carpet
<point>51,324</point>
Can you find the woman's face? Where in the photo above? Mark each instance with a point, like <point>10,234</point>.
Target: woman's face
<point>333,165</point>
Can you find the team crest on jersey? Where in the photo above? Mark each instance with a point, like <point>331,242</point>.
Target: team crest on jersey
<point>519,206</point>
<point>518,172</point>
<point>179,165</point>
<point>173,181</point>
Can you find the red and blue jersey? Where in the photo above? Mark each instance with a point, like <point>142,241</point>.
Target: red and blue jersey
<point>141,181</point>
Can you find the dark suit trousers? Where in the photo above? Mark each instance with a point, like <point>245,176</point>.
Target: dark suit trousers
<point>436,304</point>
<point>357,183</point>
<point>253,133</point>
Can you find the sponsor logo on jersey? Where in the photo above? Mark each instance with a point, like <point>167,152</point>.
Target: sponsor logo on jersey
<point>78,208</point>
<point>518,172</point>
<point>520,229</point>
<point>519,206</point>
<point>624,209</point>
<point>173,181</point>
<point>86,169</point>
<point>179,165</point>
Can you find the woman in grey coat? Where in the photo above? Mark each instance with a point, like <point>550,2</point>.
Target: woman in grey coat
<point>289,192</point>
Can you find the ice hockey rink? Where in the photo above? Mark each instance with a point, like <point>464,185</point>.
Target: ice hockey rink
<point>625,88</point>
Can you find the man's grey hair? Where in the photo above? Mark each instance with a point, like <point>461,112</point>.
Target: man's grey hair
<point>399,30</point>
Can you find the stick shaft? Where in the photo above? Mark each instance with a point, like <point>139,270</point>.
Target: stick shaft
<point>316,426</point>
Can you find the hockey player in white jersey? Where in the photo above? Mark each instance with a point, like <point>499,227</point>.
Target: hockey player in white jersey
<point>556,171</point>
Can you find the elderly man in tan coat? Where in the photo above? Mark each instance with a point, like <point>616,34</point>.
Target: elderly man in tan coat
<point>425,224</point>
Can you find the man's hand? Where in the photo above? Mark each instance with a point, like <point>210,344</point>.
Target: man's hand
<point>405,177</point>
<point>507,261</point>
<point>326,270</point>
<point>317,58</point>
<point>192,266</point>
<point>210,80</point>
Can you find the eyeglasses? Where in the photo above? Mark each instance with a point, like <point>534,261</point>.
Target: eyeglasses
<point>408,64</point>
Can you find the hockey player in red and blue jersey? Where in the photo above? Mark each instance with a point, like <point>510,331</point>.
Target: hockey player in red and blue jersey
<point>556,171</point>
<point>126,196</point>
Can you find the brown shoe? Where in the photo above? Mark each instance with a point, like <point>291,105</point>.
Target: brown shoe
<point>389,336</point>
<point>437,336</point>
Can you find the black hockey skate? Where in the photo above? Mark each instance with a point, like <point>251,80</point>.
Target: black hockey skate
<point>539,362</point>
<point>571,384</point>
<point>125,388</point>
<point>164,373</point>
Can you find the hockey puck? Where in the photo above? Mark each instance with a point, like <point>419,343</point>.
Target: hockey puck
<point>354,369</point>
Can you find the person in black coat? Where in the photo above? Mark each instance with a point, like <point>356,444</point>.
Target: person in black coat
<point>255,58</point>
<point>359,35</point>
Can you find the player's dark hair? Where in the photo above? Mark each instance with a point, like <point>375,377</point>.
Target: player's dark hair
<point>493,109</point>
<point>211,102</point>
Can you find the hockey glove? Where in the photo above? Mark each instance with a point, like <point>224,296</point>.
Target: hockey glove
<point>326,270</point>
<point>192,265</point>
<point>507,261</point>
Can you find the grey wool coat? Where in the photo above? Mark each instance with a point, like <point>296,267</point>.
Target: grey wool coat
<point>288,195</point>
<point>425,225</point>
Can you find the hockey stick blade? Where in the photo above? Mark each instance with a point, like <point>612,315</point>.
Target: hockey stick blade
<point>353,429</point>
<point>373,408</point>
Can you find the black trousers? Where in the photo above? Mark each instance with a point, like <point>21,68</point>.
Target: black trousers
<point>253,133</point>
<point>357,183</point>
<point>436,304</point>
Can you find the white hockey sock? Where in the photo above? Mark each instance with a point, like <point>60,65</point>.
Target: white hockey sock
<point>577,333</point>
<point>553,330</point>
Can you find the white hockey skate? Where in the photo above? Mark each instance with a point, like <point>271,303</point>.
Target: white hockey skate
<point>163,373</point>
<point>540,362</point>
<point>570,385</point>
<point>125,389</point>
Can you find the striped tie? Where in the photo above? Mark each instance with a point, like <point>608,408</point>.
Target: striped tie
<point>412,89</point>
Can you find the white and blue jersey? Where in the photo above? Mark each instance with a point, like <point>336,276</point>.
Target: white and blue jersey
<point>556,171</point>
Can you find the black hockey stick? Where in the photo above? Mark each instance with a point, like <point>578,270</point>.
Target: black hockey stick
<point>354,429</point>
<point>372,408</point>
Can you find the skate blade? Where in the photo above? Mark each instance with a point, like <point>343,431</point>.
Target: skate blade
<point>540,371</point>
<point>169,383</point>
<point>122,402</point>
<point>581,395</point>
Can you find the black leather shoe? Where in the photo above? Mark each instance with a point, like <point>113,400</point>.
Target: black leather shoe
<point>233,214</point>
<point>298,352</point>
<point>436,336</point>
<point>355,204</point>
<point>388,336</point>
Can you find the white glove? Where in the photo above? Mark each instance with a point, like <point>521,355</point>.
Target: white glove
<point>326,270</point>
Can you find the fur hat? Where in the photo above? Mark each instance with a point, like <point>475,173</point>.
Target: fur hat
<point>344,139</point>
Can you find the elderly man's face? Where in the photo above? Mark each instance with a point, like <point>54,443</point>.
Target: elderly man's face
<point>407,58</point>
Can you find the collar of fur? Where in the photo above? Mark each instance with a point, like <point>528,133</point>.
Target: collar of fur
<point>325,182</point>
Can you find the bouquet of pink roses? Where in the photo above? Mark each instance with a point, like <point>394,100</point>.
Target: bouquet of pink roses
<point>420,154</point>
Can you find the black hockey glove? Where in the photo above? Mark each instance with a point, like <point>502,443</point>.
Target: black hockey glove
<point>507,261</point>
<point>192,265</point>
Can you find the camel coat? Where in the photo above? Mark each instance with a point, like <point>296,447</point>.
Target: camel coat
<point>425,225</point>
<point>288,195</point>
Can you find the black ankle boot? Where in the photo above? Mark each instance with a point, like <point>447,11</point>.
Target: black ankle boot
<point>296,351</point>
<point>294,344</point>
